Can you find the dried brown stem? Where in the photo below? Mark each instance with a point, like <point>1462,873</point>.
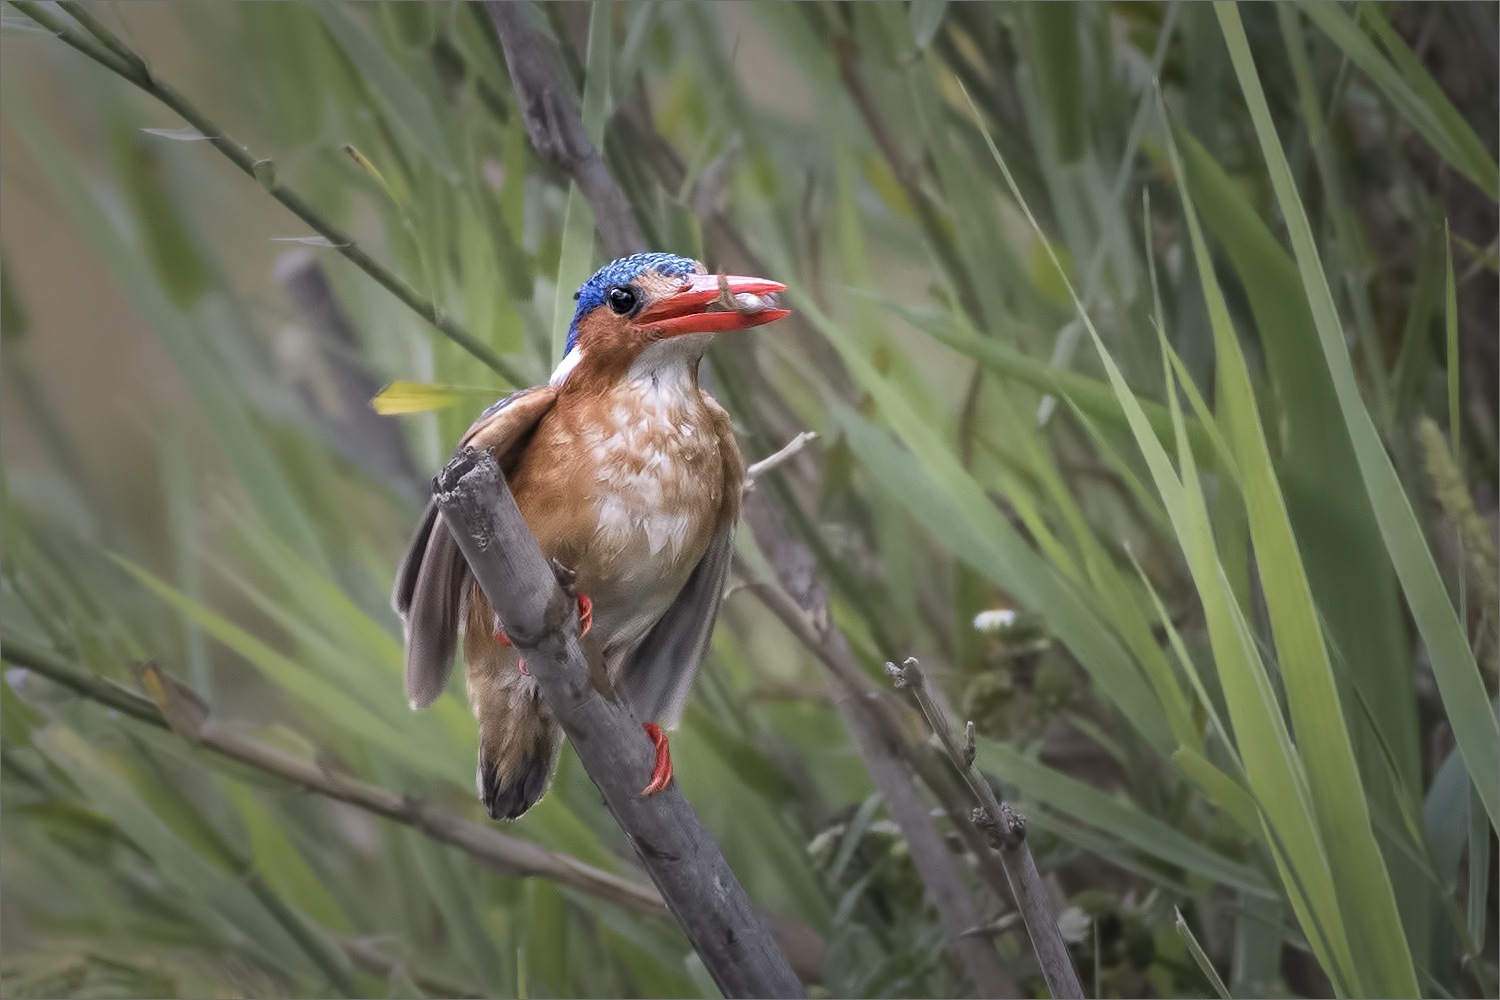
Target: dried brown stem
<point>1005,829</point>
<point>555,128</point>
<point>179,708</point>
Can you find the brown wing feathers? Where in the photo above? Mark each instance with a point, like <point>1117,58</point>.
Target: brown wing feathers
<point>430,584</point>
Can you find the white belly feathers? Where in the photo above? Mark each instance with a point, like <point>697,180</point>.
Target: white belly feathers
<point>648,495</point>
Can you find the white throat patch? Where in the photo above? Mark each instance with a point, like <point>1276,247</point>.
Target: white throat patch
<point>565,367</point>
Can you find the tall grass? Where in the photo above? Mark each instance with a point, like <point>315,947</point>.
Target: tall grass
<point>1229,461</point>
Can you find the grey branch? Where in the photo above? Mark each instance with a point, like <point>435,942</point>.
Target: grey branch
<point>1005,830</point>
<point>105,48</point>
<point>555,128</point>
<point>879,737</point>
<point>730,935</point>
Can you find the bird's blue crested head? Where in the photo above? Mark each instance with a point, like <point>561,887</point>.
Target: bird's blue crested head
<point>626,269</point>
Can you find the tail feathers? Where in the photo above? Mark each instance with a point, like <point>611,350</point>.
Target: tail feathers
<point>518,737</point>
<point>514,775</point>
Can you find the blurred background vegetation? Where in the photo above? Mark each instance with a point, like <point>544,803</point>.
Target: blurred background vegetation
<point>1245,517</point>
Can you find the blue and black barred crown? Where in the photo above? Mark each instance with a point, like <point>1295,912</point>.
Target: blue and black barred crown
<point>591,295</point>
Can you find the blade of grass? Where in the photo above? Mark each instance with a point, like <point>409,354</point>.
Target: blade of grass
<point>1140,830</point>
<point>1271,762</point>
<point>405,102</point>
<point>1312,691</point>
<point>1200,958</point>
<point>1089,394</point>
<point>955,509</point>
<point>1408,86</point>
<point>316,693</point>
<point>1453,663</point>
<point>1450,328</point>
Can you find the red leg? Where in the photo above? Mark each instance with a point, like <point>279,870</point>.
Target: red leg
<point>661,774</point>
<point>504,640</point>
<point>585,622</point>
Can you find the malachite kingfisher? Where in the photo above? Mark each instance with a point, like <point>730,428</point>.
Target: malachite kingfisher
<point>628,473</point>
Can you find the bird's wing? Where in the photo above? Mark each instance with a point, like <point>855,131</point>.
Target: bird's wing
<point>659,674</point>
<point>431,582</point>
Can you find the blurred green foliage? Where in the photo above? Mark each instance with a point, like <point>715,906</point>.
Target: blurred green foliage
<point>1251,667</point>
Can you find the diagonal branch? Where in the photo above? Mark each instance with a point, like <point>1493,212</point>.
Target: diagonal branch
<point>109,51</point>
<point>730,935</point>
<point>879,737</point>
<point>180,709</point>
<point>1006,831</point>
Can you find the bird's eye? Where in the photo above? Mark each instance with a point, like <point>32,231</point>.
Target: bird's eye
<point>622,299</point>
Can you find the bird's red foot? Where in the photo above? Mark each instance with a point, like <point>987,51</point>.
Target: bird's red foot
<point>585,615</point>
<point>585,622</point>
<point>661,774</point>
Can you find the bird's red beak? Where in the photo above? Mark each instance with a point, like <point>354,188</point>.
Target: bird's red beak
<point>714,303</point>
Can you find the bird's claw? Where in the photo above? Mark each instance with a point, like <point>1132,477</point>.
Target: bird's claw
<point>585,615</point>
<point>585,622</point>
<point>661,773</point>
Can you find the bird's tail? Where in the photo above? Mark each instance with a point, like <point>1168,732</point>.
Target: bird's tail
<point>518,737</point>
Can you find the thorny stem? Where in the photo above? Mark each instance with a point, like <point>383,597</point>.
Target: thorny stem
<point>1005,829</point>
<point>109,51</point>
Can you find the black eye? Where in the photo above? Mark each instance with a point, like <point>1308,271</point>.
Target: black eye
<point>622,299</point>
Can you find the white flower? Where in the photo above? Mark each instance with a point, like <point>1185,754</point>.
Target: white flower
<point>994,621</point>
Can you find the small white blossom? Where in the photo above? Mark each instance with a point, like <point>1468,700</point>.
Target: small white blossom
<point>991,622</point>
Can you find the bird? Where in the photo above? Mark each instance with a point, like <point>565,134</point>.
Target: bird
<point>628,473</point>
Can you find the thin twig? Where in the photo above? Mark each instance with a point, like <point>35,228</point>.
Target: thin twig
<point>879,735</point>
<point>510,856</point>
<point>1006,832</point>
<point>757,469</point>
<point>731,937</point>
<point>119,58</point>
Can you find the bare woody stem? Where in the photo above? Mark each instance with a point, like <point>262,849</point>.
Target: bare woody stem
<point>109,51</point>
<point>177,707</point>
<point>1006,831</point>
<point>730,935</point>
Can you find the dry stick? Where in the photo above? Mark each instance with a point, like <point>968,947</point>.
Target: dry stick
<point>555,129</point>
<point>890,719</point>
<point>503,854</point>
<point>882,748</point>
<point>730,935</point>
<point>110,52</point>
<point>179,708</point>
<point>1006,831</point>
